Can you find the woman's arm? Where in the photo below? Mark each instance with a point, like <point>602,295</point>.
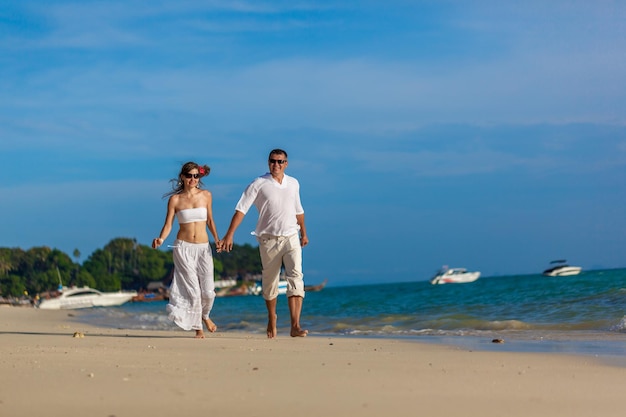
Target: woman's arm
<point>210,223</point>
<point>167,226</point>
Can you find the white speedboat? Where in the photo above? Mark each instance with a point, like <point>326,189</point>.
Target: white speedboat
<point>454,276</point>
<point>257,289</point>
<point>561,269</point>
<point>85,297</point>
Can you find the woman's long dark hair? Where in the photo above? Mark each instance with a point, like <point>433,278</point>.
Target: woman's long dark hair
<point>177,183</point>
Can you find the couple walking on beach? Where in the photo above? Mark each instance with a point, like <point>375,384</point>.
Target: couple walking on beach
<point>280,231</point>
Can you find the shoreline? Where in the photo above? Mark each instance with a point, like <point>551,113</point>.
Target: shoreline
<point>599,344</point>
<point>118,372</point>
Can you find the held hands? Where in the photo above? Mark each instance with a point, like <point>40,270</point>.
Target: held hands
<point>227,243</point>
<point>219,245</point>
<point>224,245</point>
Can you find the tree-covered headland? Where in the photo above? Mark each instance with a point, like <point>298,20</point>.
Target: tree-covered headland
<point>121,264</point>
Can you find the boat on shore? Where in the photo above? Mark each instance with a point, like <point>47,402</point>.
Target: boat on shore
<point>235,290</point>
<point>154,291</point>
<point>454,276</point>
<point>560,268</point>
<point>149,296</point>
<point>255,288</point>
<point>85,297</point>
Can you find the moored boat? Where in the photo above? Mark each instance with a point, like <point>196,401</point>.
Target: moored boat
<point>318,287</point>
<point>149,296</point>
<point>85,297</point>
<point>561,269</point>
<point>454,276</point>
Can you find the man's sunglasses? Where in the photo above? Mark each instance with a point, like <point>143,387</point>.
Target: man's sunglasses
<point>277,161</point>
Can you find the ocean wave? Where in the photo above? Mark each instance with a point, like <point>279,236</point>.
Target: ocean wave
<point>619,327</point>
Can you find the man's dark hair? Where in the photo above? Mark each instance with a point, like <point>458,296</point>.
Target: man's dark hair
<point>277,152</point>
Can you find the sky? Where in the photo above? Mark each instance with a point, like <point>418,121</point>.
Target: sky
<point>488,135</point>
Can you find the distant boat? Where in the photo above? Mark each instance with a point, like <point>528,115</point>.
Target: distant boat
<point>318,287</point>
<point>454,276</point>
<point>85,297</point>
<point>561,269</point>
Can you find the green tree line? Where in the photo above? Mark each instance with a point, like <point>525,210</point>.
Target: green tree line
<point>121,264</point>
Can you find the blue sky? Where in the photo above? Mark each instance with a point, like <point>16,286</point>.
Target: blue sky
<point>487,134</point>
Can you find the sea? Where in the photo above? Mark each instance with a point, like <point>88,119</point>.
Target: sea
<point>582,314</point>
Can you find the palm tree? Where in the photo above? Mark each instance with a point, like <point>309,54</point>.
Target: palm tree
<point>76,254</point>
<point>6,264</point>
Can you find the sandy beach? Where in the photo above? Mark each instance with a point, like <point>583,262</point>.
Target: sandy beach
<point>45,370</point>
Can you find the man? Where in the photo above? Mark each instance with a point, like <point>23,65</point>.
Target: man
<point>281,219</point>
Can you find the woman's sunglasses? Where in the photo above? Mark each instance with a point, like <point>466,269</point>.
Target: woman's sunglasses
<point>188,175</point>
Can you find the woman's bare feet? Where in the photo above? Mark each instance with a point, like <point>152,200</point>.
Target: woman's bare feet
<point>298,332</point>
<point>212,327</point>
<point>272,332</point>
<point>199,334</point>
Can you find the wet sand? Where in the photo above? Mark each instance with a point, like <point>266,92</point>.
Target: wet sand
<point>45,370</point>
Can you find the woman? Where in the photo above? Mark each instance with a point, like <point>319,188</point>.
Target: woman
<point>192,292</point>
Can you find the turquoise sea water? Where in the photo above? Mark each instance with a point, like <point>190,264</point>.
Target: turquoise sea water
<point>579,314</point>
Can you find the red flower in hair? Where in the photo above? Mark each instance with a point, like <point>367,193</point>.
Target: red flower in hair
<point>201,170</point>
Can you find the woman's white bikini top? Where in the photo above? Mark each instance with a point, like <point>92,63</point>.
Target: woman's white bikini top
<point>198,214</point>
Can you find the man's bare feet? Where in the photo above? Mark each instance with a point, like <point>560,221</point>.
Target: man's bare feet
<point>212,327</point>
<point>199,334</point>
<point>298,332</point>
<point>272,331</point>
